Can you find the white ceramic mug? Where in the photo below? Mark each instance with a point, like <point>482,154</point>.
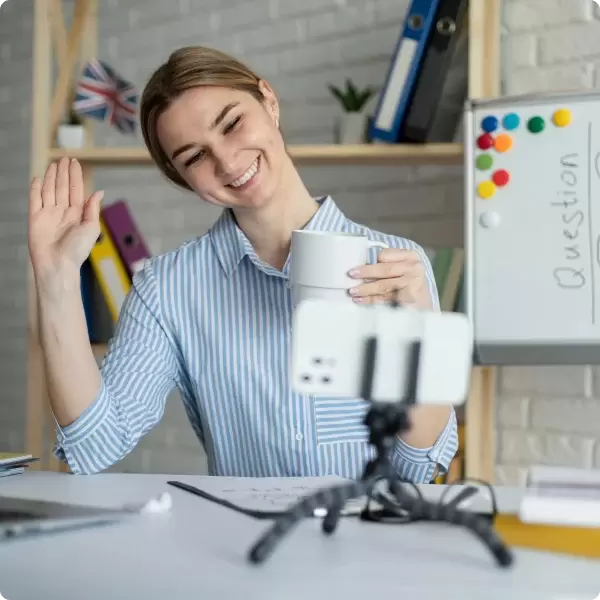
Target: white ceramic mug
<point>322,259</point>
<point>311,292</point>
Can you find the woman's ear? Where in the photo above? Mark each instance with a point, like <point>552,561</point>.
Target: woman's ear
<point>271,102</point>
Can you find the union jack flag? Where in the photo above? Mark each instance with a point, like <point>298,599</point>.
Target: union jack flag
<point>101,93</point>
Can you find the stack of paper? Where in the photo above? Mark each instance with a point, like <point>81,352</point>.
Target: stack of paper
<point>562,496</point>
<point>559,512</point>
<point>13,464</point>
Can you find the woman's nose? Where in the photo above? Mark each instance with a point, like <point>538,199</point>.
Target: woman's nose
<point>225,162</point>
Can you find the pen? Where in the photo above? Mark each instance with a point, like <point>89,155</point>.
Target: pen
<point>257,514</point>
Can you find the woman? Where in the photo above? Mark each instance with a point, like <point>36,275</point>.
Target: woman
<point>213,316</point>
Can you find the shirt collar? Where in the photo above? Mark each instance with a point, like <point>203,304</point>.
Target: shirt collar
<point>231,244</point>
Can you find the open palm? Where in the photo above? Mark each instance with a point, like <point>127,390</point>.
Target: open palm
<point>63,226</point>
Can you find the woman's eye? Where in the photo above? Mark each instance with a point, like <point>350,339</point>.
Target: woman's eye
<point>199,155</point>
<point>232,125</point>
<point>195,158</point>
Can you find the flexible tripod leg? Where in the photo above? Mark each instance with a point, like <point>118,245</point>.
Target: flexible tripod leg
<point>335,496</point>
<point>383,423</point>
<point>446,513</point>
<point>333,499</point>
<point>372,471</point>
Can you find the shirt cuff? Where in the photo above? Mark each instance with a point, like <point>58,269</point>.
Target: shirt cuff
<point>418,465</point>
<point>87,422</point>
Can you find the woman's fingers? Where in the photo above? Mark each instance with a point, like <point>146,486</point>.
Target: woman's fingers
<point>91,212</point>
<point>61,191</point>
<point>49,186</point>
<point>62,185</point>
<point>76,183</point>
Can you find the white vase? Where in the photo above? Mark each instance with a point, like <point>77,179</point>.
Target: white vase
<point>70,136</point>
<point>351,128</point>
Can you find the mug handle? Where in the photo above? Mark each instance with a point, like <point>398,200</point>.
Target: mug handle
<point>380,245</point>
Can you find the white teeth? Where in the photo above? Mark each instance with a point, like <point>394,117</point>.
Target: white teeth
<point>247,176</point>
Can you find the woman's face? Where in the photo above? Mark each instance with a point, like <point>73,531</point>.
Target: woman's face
<point>225,144</point>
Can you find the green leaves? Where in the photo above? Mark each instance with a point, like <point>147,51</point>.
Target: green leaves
<point>352,99</point>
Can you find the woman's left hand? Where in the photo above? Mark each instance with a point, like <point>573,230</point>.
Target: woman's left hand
<point>397,275</point>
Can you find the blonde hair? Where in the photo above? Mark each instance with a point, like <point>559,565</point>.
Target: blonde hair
<point>187,68</point>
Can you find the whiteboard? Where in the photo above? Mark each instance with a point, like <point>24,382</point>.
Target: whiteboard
<point>532,230</point>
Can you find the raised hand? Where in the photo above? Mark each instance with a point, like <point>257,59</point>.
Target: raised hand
<point>63,226</point>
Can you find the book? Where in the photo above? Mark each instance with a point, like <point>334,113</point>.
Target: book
<point>11,471</point>
<point>561,539</point>
<point>8,459</point>
<point>403,71</point>
<point>448,267</point>
<point>110,272</point>
<point>12,463</point>
<point>126,235</point>
<point>431,115</point>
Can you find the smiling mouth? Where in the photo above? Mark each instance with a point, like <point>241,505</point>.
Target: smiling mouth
<point>247,176</point>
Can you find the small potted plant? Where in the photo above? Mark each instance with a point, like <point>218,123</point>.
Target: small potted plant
<point>71,133</point>
<point>351,126</point>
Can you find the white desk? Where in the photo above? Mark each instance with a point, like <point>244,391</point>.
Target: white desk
<point>199,551</point>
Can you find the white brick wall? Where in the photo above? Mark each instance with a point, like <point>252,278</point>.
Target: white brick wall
<point>545,415</point>
<point>15,94</point>
<point>548,415</point>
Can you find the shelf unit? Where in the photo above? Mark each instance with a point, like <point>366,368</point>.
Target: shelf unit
<point>77,45</point>
<point>407,154</point>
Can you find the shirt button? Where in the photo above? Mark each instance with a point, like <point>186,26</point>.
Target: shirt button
<point>299,437</point>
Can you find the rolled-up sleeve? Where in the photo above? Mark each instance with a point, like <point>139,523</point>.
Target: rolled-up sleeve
<point>137,374</point>
<point>419,464</point>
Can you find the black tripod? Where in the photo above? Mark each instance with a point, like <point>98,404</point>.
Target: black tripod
<point>385,421</point>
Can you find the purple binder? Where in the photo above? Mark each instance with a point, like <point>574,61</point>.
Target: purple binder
<point>127,238</point>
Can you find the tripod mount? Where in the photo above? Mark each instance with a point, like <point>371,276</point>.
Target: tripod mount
<point>385,422</point>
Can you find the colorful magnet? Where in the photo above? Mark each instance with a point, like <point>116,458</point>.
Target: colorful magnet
<point>503,143</point>
<point>562,117</point>
<point>486,189</point>
<point>536,124</point>
<point>511,121</point>
<point>489,124</point>
<point>484,162</point>
<point>500,177</point>
<point>490,219</point>
<point>485,141</point>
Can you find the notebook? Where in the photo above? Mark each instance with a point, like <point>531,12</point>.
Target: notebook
<point>12,463</point>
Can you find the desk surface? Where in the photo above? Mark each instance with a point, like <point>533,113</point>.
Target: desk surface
<point>199,551</point>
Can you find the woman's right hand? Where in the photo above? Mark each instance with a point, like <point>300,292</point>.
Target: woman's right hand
<point>63,227</point>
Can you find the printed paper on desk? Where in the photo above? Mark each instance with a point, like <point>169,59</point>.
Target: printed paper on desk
<point>267,493</point>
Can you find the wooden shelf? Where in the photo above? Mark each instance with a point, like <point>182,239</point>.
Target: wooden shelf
<point>408,154</point>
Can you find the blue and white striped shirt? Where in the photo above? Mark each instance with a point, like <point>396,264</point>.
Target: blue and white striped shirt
<point>213,320</point>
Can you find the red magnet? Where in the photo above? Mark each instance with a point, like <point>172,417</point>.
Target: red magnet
<point>485,141</point>
<point>500,177</point>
